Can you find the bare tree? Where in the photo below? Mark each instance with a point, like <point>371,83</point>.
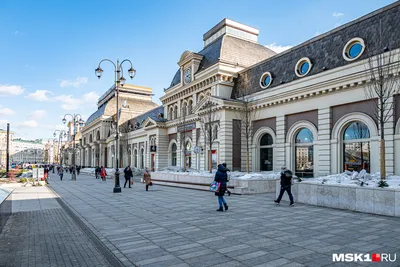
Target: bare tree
<point>209,118</point>
<point>383,73</point>
<point>247,115</point>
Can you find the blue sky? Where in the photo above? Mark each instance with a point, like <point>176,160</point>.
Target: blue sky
<point>49,49</point>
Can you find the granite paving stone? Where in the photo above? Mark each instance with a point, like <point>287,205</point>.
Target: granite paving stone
<point>169,226</point>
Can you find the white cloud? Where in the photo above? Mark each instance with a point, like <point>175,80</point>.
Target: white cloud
<point>10,90</point>
<point>37,114</point>
<point>28,124</point>
<point>39,95</point>
<point>278,48</point>
<point>337,14</point>
<point>71,103</point>
<point>3,124</point>
<point>90,97</point>
<point>6,111</point>
<point>17,32</point>
<point>74,83</point>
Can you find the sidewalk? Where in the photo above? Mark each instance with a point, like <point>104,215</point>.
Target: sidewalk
<point>169,226</point>
<point>41,233</point>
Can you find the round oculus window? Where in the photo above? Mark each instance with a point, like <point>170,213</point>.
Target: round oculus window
<point>353,49</point>
<point>303,67</point>
<point>266,80</point>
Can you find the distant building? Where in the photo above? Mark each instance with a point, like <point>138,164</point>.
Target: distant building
<point>27,151</point>
<point>3,146</point>
<point>97,138</point>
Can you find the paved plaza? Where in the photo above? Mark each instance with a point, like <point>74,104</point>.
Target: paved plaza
<point>169,226</point>
<point>40,233</point>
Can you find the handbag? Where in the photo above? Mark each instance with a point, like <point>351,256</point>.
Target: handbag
<point>215,186</point>
<point>131,181</point>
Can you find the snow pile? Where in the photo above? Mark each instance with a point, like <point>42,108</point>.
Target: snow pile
<point>236,175</point>
<point>255,175</point>
<point>355,178</point>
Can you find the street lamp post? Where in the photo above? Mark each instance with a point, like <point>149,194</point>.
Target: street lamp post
<point>61,134</point>
<point>119,80</point>
<point>76,119</point>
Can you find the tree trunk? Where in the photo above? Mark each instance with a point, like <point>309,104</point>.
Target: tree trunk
<point>210,161</point>
<point>383,160</point>
<point>247,162</point>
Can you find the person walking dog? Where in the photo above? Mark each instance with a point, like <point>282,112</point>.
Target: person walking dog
<point>128,176</point>
<point>221,177</point>
<point>286,185</point>
<point>147,178</point>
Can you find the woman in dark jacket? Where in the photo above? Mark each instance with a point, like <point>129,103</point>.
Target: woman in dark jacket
<point>221,177</point>
<point>128,175</point>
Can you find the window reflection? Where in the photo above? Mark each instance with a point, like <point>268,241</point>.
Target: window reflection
<point>304,153</point>
<point>356,147</point>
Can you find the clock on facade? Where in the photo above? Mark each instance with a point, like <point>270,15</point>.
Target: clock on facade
<point>188,75</point>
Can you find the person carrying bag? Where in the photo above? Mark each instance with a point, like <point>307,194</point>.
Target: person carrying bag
<point>128,176</point>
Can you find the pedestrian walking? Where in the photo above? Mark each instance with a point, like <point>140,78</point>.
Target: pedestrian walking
<point>227,178</point>
<point>46,174</point>
<point>103,173</point>
<point>147,178</point>
<point>78,169</point>
<point>61,173</point>
<point>97,172</point>
<point>286,185</point>
<point>128,176</point>
<point>221,177</point>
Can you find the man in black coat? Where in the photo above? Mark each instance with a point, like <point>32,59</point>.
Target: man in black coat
<point>221,177</point>
<point>128,175</point>
<point>286,185</point>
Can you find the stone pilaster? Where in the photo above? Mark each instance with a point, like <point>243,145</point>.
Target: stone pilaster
<point>324,141</point>
<point>389,139</point>
<point>162,142</point>
<point>280,143</point>
<point>225,139</point>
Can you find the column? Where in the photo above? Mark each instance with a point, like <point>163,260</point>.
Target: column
<point>324,142</point>
<point>389,138</point>
<point>179,150</point>
<point>162,142</point>
<point>282,147</point>
<point>225,139</point>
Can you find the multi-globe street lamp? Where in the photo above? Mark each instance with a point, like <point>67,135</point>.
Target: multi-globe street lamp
<point>76,120</point>
<point>61,134</point>
<point>119,80</point>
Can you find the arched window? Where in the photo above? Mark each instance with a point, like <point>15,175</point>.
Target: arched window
<point>304,153</point>
<point>215,132</point>
<point>135,159</point>
<point>266,153</point>
<point>170,113</point>
<point>173,154</point>
<point>90,139</point>
<point>142,158</point>
<point>190,107</point>
<point>175,112</point>
<point>184,109</point>
<point>98,136</point>
<point>188,154</point>
<point>356,147</point>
